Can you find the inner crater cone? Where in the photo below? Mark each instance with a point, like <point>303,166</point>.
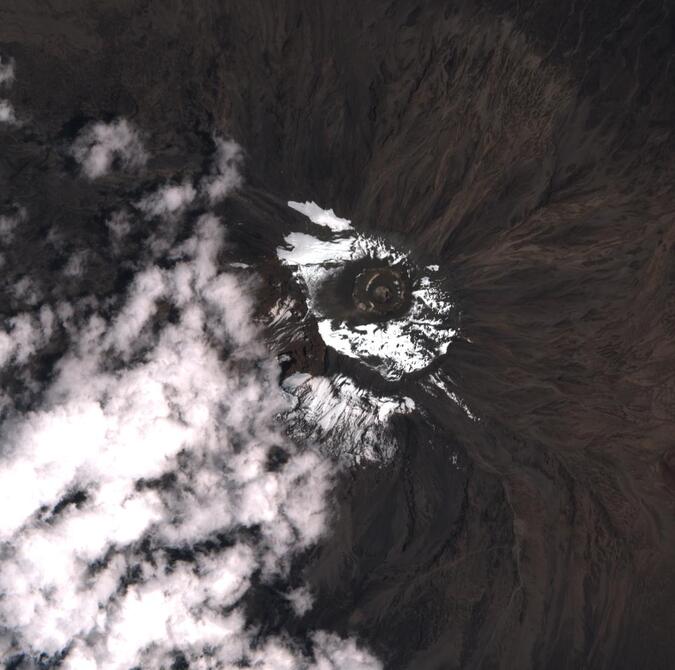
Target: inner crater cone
<point>380,291</point>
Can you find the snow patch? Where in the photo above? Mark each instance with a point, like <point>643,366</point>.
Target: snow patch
<point>322,217</point>
<point>439,383</point>
<point>396,346</point>
<point>349,422</point>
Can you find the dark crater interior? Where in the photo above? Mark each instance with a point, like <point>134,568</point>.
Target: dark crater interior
<point>525,147</point>
<point>365,291</point>
<point>380,291</point>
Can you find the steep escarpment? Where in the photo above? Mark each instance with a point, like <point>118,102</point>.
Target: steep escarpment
<point>529,152</point>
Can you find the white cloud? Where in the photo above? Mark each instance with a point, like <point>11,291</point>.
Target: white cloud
<point>9,224</point>
<point>301,600</point>
<point>119,226</point>
<point>149,286</point>
<point>100,145</point>
<point>335,653</point>
<point>168,199</point>
<point>25,334</point>
<point>225,176</point>
<point>76,264</point>
<point>6,72</point>
<point>27,291</point>
<point>122,463</point>
<point>168,202</point>
<point>7,113</point>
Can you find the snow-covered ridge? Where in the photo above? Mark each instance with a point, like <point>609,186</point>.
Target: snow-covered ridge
<point>400,345</point>
<point>348,421</point>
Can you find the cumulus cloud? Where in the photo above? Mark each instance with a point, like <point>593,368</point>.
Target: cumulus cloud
<point>101,146</point>
<point>144,493</point>
<point>138,499</point>
<point>24,334</point>
<point>119,226</point>
<point>6,71</point>
<point>168,199</point>
<point>335,653</point>
<point>9,224</point>
<point>26,290</point>
<point>225,175</point>
<point>76,264</point>
<point>301,600</point>
<point>7,113</point>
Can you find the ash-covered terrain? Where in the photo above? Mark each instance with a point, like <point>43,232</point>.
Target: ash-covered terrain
<point>337,335</point>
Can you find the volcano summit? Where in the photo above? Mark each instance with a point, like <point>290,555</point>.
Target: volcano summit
<point>337,335</point>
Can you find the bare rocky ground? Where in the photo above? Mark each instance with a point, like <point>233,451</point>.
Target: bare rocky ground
<point>527,148</point>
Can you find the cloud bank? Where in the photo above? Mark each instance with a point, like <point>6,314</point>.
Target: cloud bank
<point>144,495</point>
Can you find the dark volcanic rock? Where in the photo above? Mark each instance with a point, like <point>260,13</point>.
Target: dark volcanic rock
<point>528,149</point>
